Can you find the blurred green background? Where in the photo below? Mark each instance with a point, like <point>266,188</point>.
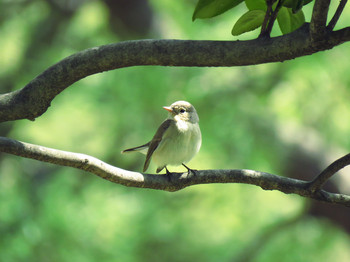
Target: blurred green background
<point>289,118</point>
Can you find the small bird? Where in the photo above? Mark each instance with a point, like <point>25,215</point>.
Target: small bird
<point>177,140</point>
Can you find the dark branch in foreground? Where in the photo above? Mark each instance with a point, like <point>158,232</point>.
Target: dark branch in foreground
<point>178,180</point>
<point>34,99</point>
<point>337,14</point>
<point>319,19</point>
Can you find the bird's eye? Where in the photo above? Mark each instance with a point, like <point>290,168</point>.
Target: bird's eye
<point>182,110</point>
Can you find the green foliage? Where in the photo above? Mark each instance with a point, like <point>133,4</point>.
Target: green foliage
<point>248,22</point>
<point>288,21</point>
<point>251,117</point>
<point>295,5</point>
<point>211,8</point>
<point>290,16</point>
<point>256,4</point>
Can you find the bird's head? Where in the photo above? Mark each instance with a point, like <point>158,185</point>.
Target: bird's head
<point>182,111</point>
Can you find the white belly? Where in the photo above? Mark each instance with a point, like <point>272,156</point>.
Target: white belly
<point>179,145</point>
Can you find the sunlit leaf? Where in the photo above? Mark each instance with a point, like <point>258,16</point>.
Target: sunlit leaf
<point>248,22</point>
<point>211,8</point>
<point>288,22</point>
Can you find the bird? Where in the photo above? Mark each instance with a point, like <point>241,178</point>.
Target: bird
<point>176,141</point>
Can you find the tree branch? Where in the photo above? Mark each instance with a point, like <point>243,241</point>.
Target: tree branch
<point>273,17</point>
<point>319,20</point>
<point>34,99</point>
<point>177,181</point>
<point>337,14</point>
<point>326,174</point>
<point>263,32</point>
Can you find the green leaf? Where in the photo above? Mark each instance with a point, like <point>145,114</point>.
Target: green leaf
<point>211,8</point>
<point>289,22</point>
<point>294,3</point>
<point>248,22</point>
<point>256,4</point>
<point>297,6</point>
<point>289,3</point>
<point>307,2</point>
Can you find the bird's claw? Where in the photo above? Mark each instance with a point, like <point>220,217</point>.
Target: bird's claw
<point>190,171</point>
<point>168,174</point>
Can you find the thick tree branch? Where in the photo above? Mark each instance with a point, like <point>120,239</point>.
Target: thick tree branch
<point>177,180</point>
<point>319,20</point>
<point>35,98</point>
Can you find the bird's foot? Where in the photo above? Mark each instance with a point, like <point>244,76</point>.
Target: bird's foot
<point>189,170</point>
<point>168,174</point>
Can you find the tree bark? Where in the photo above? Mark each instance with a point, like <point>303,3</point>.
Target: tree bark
<point>34,99</point>
<point>178,181</point>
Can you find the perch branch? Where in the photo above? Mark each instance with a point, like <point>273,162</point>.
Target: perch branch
<point>34,99</point>
<point>177,181</point>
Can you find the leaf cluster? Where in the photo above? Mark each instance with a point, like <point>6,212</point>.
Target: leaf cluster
<point>260,13</point>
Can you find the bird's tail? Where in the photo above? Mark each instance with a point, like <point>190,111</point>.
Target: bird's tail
<point>141,149</point>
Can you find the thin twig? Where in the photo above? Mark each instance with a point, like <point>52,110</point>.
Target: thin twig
<point>326,174</point>
<point>263,32</point>
<point>273,17</point>
<point>176,182</point>
<point>337,14</point>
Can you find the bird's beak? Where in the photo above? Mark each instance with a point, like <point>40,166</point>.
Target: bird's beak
<point>168,108</point>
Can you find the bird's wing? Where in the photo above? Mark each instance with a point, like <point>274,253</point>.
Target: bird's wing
<point>155,141</point>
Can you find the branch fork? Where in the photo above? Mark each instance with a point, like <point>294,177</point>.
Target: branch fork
<point>326,174</point>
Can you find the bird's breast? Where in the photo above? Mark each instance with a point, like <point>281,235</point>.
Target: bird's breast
<point>179,144</point>
<point>183,126</point>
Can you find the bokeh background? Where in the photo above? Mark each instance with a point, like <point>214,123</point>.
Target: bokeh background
<point>289,118</point>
